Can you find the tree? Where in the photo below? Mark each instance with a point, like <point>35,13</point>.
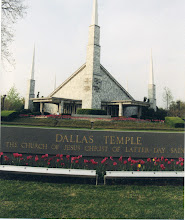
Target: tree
<point>167,97</point>
<point>13,101</point>
<point>11,11</point>
<point>177,109</point>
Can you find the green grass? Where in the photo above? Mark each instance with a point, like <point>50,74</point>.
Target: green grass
<point>6,113</point>
<point>116,125</point>
<point>29,198</point>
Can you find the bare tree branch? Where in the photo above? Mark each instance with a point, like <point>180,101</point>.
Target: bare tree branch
<point>11,11</point>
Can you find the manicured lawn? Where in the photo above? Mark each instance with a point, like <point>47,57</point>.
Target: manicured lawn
<point>6,113</point>
<point>116,125</point>
<point>43,198</point>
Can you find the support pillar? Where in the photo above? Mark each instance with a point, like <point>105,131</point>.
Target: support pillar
<point>139,111</point>
<point>41,107</point>
<point>61,107</point>
<point>120,109</point>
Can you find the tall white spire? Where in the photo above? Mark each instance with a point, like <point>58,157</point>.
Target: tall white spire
<point>31,86</point>
<point>151,79</point>
<point>95,13</point>
<point>92,98</point>
<point>151,86</point>
<point>33,65</point>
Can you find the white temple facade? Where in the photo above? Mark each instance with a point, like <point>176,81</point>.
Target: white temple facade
<point>91,86</point>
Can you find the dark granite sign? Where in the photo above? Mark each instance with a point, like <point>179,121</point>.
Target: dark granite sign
<point>92,143</point>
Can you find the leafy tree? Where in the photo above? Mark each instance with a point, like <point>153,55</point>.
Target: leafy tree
<point>13,101</point>
<point>167,97</point>
<point>177,109</point>
<point>11,11</point>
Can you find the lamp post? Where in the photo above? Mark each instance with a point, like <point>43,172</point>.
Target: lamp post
<point>4,96</point>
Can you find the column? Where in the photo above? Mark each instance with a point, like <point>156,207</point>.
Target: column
<point>120,109</point>
<point>139,111</point>
<point>61,107</point>
<point>41,107</point>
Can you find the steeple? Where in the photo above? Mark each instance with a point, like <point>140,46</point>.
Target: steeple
<point>95,13</point>
<point>151,86</point>
<point>93,80</point>
<point>151,79</point>
<point>33,65</point>
<point>31,86</point>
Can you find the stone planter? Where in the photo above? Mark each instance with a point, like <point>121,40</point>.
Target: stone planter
<point>135,174</point>
<point>50,171</point>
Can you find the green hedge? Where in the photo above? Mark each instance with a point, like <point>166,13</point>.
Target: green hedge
<point>91,112</point>
<point>9,115</point>
<point>175,122</point>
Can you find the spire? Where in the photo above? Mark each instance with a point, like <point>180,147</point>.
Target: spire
<point>95,13</point>
<point>151,79</point>
<point>33,65</point>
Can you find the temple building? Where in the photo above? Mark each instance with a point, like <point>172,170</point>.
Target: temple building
<point>91,86</point>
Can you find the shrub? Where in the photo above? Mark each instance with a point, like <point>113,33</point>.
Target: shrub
<point>9,115</point>
<point>91,112</point>
<point>25,111</point>
<point>36,113</point>
<point>175,122</point>
<point>46,113</point>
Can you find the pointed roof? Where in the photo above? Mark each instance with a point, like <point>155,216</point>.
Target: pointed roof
<point>33,65</point>
<point>95,13</point>
<point>151,77</point>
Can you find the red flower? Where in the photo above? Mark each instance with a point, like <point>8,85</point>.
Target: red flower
<point>77,161</point>
<point>58,155</point>
<point>36,158</point>
<point>29,157</point>
<point>181,159</point>
<point>21,158</point>
<point>111,158</point>
<point>19,155</point>
<point>103,161</point>
<point>162,158</point>
<point>114,164</point>
<point>166,160</point>
<point>169,162</point>
<point>6,158</point>
<point>61,155</point>
<point>86,161</point>
<point>50,159</point>
<point>142,162</point>
<point>121,158</point>
<point>94,162</point>
<point>148,160</point>
<point>1,153</point>
<point>43,156</point>
<point>129,159</point>
<point>58,160</point>
<point>48,163</point>
<point>68,156</point>
<point>15,155</point>
<point>172,160</point>
<point>162,166</point>
<point>79,157</point>
<point>125,162</point>
<point>181,164</point>
<point>178,162</point>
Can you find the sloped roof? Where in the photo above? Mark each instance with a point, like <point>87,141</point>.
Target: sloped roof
<point>67,80</point>
<point>81,68</point>
<point>116,82</point>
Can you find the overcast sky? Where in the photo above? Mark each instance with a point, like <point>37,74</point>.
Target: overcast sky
<point>129,29</point>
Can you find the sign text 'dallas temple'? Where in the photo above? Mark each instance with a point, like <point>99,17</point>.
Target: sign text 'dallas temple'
<point>92,143</point>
